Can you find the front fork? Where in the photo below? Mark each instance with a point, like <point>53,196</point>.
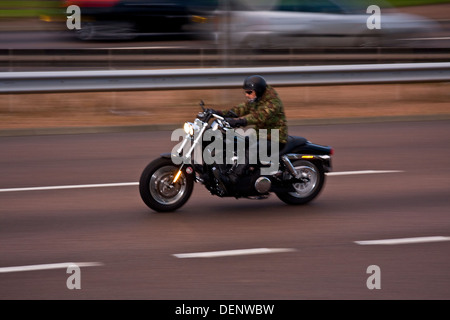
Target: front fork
<point>187,157</point>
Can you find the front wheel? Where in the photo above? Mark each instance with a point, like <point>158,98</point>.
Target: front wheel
<point>308,187</point>
<point>156,187</point>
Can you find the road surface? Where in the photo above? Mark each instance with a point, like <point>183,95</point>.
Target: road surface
<point>93,217</point>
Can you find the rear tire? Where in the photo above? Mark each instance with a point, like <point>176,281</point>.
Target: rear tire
<point>307,190</point>
<point>156,188</point>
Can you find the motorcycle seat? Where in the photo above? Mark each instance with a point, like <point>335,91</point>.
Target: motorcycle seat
<point>293,142</point>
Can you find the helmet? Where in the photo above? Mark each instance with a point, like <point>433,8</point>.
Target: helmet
<point>256,83</point>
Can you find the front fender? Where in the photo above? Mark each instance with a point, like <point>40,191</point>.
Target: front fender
<point>166,155</point>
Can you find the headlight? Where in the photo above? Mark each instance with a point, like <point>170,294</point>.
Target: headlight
<point>189,128</point>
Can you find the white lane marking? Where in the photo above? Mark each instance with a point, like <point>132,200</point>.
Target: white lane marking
<point>124,184</point>
<point>421,39</point>
<point>226,253</point>
<point>403,240</point>
<point>78,186</point>
<point>63,265</point>
<point>146,48</point>
<point>347,173</point>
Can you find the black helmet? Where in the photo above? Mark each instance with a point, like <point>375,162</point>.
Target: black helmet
<point>256,83</point>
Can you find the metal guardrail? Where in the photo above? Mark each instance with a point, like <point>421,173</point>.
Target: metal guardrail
<point>209,78</point>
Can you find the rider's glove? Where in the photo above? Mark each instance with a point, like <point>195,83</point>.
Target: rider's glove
<point>235,123</point>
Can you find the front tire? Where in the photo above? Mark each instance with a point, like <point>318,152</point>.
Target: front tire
<point>309,187</point>
<point>156,187</point>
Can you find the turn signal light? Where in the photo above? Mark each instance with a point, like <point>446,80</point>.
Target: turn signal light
<point>177,176</point>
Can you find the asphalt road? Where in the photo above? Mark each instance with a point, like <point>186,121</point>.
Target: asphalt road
<point>126,251</point>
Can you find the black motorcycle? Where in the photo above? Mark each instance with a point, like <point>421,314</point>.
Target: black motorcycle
<point>296,175</point>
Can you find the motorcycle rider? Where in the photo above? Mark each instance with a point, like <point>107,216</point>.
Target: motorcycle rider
<point>263,109</point>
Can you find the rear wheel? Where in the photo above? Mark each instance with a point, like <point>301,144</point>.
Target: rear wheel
<point>308,186</point>
<point>156,187</point>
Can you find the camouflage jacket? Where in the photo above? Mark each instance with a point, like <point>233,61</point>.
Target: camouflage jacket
<point>266,113</point>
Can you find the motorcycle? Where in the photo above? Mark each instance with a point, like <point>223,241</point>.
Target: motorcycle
<point>296,175</point>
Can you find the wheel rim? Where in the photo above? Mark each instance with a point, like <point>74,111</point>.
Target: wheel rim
<point>310,179</point>
<point>163,190</point>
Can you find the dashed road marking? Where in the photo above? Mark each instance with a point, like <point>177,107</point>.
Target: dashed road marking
<point>227,253</point>
<point>63,265</point>
<point>403,240</point>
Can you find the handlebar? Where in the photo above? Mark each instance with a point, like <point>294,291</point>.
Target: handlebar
<point>206,115</point>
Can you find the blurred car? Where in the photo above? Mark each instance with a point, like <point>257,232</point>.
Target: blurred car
<point>127,19</point>
<point>309,23</point>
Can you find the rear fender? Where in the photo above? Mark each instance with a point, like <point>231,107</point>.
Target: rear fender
<point>324,160</point>
<point>314,149</point>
